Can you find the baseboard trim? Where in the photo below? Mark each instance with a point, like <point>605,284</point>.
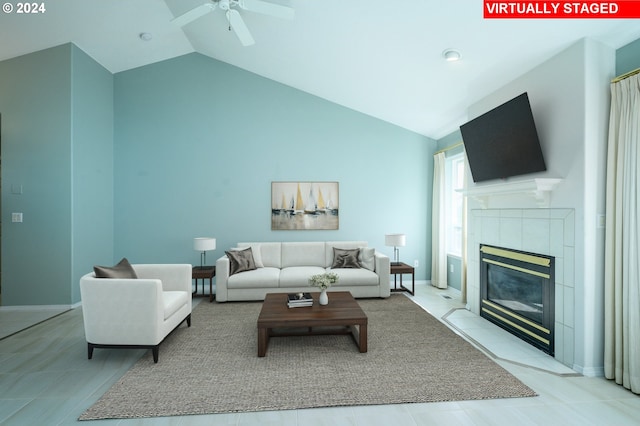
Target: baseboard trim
<point>589,371</point>
<point>40,307</point>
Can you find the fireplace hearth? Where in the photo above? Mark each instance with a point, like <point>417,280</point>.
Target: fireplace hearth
<point>517,293</point>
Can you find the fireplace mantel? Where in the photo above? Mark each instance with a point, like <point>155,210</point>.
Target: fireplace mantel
<point>539,188</point>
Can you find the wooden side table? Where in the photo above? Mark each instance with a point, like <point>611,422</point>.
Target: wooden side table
<point>401,269</point>
<point>202,273</point>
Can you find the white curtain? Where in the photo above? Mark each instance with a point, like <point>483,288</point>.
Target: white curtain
<point>622,250</point>
<point>438,241</point>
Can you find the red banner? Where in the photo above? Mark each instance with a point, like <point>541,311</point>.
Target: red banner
<point>622,9</point>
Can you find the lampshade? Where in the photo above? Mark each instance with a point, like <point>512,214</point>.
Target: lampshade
<point>204,243</point>
<point>395,240</point>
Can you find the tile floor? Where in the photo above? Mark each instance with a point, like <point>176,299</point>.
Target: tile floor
<point>14,320</point>
<point>45,379</point>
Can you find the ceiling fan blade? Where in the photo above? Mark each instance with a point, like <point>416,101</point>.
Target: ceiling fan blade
<point>239,27</point>
<point>265,8</point>
<point>193,14</point>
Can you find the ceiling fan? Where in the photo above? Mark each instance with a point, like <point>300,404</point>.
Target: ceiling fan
<point>236,23</point>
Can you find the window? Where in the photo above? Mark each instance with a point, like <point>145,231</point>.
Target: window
<point>454,180</point>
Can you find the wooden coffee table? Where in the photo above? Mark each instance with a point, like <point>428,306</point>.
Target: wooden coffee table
<point>342,315</point>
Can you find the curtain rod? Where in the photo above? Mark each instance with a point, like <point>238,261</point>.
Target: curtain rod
<point>448,148</point>
<point>627,75</point>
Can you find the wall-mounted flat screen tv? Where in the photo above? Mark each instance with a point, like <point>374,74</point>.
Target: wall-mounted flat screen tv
<point>503,142</point>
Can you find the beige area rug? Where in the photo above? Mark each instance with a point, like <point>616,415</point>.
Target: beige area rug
<point>213,366</point>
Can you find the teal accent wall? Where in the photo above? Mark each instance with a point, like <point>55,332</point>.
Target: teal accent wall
<point>628,57</point>
<point>35,99</point>
<point>453,138</point>
<point>454,272</point>
<point>198,143</point>
<point>92,167</point>
<point>48,103</point>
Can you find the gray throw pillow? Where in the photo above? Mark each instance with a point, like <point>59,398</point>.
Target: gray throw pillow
<point>240,261</point>
<point>122,270</point>
<point>343,258</point>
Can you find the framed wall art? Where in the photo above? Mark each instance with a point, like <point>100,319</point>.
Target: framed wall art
<point>304,205</point>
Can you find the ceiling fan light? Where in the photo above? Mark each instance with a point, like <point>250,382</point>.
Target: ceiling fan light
<point>451,55</point>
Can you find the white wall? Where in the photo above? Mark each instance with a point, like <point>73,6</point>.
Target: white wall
<point>570,103</point>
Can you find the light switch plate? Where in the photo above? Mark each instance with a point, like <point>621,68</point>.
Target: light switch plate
<point>16,217</point>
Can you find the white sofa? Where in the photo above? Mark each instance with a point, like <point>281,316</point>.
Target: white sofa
<point>285,267</point>
<point>136,312</point>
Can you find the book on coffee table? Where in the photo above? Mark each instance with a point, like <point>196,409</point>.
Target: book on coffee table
<point>296,300</point>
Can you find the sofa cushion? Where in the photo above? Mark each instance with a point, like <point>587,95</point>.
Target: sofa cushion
<point>266,277</point>
<point>270,253</point>
<point>355,277</point>
<point>122,270</point>
<point>256,250</point>
<point>240,261</point>
<point>343,258</point>
<point>303,254</point>
<point>298,276</point>
<point>173,301</point>
<point>367,258</point>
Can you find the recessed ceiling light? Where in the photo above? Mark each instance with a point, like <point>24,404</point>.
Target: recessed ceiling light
<point>451,55</point>
<point>145,36</point>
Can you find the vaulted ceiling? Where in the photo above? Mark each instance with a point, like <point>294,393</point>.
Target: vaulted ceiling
<point>382,58</point>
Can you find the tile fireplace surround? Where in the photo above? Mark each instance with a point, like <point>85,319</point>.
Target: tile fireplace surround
<point>543,231</point>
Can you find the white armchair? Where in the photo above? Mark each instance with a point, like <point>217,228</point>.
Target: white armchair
<point>136,312</point>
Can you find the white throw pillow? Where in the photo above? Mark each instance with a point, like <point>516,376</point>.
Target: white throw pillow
<point>367,258</point>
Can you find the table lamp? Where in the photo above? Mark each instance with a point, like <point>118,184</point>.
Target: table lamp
<point>204,244</point>
<point>395,241</point>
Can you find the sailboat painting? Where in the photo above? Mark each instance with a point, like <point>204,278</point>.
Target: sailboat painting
<point>304,205</point>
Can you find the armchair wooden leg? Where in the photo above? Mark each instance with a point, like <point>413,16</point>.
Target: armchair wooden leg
<point>155,351</point>
<point>89,350</point>
<point>189,320</point>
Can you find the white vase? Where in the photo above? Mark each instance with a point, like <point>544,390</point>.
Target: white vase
<point>324,299</point>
